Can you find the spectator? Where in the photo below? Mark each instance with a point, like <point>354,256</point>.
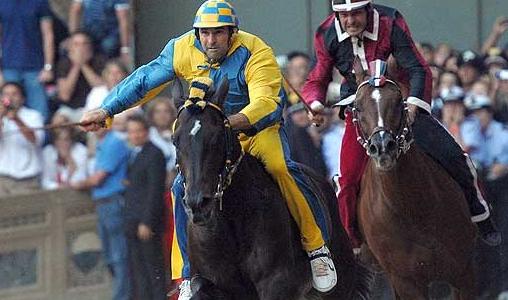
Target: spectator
<point>331,138</point>
<point>441,53</point>
<point>451,62</point>
<point>485,139</point>
<point>161,115</point>
<point>20,146</point>
<point>453,111</point>
<point>106,182</point>
<point>470,68</point>
<point>479,87</point>
<point>114,72</point>
<point>500,96</point>
<point>28,48</point>
<point>65,160</point>
<point>144,208</point>
<point>495,61</point>
<point>78,72</point>
<point>304,140</point>
<point>447,82</point>
<point>107,21</point>
<point>498,29</point>
<point>297,68</point>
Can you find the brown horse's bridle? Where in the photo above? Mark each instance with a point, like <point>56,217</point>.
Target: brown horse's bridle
<point>403,144</point>
<point>229,169</point>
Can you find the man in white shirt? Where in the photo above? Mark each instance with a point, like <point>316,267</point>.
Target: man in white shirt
<point>20,146</point>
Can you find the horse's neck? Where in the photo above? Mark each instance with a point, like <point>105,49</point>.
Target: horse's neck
<point>406,173</point>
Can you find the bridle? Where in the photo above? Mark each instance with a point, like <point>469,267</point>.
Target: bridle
<point>229,169</point>
<point>402,133</point>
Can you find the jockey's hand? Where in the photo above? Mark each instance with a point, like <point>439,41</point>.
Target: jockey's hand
<point>411,113</point>
<point>317,118</point>
<point>316,115</point>
<point>93,120</point>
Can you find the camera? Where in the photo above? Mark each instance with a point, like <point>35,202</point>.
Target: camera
<point>502,74</point>
<point>7,103</point>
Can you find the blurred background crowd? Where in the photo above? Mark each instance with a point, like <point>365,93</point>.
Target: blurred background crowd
<point>53,71</point>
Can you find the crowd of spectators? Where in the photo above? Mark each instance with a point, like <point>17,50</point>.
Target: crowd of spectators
<point>470,98</point>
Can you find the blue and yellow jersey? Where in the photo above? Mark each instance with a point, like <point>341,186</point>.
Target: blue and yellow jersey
<point>255,80</point>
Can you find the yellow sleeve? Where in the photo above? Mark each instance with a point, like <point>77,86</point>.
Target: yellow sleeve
<point>264,81</point>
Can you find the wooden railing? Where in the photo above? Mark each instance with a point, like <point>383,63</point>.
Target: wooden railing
<point>49,249</point>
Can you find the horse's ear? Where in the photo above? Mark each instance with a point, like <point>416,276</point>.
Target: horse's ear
<point>177,93</point>
<point>221,93</point>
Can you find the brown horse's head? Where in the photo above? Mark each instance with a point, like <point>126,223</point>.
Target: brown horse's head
<point>379,114</point>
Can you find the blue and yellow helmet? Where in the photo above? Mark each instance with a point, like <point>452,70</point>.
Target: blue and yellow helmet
<point>215,13</point>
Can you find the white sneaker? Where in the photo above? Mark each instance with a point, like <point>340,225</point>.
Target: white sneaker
<point>324,276</point>
<point>185,290</point>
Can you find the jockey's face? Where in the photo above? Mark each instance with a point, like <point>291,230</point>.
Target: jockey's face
<point>215,42</point>
<point>353,22</point>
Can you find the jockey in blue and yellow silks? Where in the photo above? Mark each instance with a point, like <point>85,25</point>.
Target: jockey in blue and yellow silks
<point>217,49</point>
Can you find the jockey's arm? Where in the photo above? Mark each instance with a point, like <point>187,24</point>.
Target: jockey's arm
<point>264,82</point>
<point>316,85</point>
<point>408,57</point>
<point>239,121</point>
<point>138,88</point>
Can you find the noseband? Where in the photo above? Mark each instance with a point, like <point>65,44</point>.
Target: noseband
<point>401,136</point>
<point>229,169</point>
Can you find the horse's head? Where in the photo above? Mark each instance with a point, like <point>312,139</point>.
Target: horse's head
<point>204,144</point>
<point>380,117</point>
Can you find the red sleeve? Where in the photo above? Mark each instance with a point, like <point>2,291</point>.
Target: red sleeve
<point>321,74</point>
<point>410,59</point>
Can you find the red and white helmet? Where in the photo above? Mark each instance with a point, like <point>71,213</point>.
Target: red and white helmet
<point>348,5</point>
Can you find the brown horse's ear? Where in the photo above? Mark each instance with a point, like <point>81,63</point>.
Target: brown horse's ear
<point>221,93</point>
<point>360,73</point>
<point>177,92</point>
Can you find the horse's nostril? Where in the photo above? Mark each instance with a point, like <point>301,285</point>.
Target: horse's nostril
<point>373,149</point>
<point>390,146</point>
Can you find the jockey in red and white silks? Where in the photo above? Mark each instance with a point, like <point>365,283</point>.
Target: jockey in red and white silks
<point>369,32</point>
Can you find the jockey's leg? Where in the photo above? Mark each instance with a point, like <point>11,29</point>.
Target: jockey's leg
<point>435,140</point>
<point>178,192</point>
<point>271,147</point>
<point>353,160</point>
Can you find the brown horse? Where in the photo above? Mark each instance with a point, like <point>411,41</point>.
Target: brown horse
<point>413,215</point>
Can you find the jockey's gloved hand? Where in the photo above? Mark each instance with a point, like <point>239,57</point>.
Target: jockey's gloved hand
<point>316,115</point>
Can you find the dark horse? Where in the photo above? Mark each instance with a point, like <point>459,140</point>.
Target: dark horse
<point>412,214</point>
<point>243,243</point>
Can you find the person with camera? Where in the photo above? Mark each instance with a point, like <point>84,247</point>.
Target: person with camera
<point>20,146</point>
<point>499,94</point>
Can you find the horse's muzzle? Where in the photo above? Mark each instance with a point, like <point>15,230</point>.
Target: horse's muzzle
<point>382,148</point>
<point>199,210</point>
